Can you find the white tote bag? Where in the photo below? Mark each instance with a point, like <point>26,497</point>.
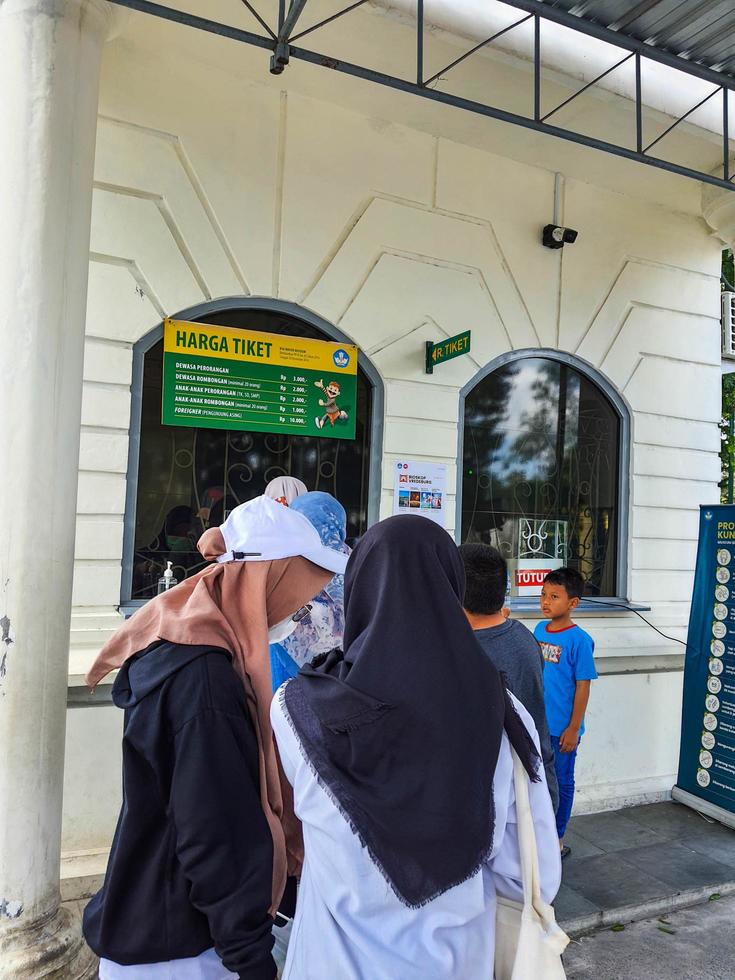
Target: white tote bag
<point>528,941</point>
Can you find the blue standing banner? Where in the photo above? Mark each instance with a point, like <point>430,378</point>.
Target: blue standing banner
<point>706,779</point>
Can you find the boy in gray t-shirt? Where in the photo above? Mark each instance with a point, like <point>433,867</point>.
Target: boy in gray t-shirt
<point>510,646</point>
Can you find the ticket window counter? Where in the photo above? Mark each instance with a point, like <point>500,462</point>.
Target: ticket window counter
<point>183,480</point>
<point>544,478</point>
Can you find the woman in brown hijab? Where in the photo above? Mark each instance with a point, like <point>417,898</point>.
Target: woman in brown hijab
<point>206,834</point>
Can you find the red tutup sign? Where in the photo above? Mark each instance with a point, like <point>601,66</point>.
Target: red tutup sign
<point>529,577</point>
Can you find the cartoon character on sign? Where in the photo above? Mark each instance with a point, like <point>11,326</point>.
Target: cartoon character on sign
<point>332,411</point>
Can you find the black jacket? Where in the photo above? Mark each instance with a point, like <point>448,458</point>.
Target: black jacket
<point>192,859</point>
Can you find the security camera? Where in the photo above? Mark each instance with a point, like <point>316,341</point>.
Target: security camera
<point>555,236</point>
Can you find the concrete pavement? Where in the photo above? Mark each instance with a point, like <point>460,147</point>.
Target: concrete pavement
<point>693,944</point>
<point>644,861</point>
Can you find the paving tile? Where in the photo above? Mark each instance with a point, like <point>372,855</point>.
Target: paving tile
<point>612,831</point>
<point>569,904</point>
<point>610,883</point>
<point>581,848</point>
<point>718,844</point>
<point>669,820</point>
<point>677,866</point>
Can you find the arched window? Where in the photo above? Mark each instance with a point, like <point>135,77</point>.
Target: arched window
<point>182,480</point>
<point>544,473</point>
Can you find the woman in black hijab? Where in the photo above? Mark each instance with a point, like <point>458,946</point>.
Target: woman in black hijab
<point>399,754</point>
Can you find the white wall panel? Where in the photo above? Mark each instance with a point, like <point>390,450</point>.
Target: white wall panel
<point>107,362</point>
<point>630,749</point>
<point>661,430</point>
<point>98,537</point>
<point>412,399</point>
<point>663,553</point>
<point>655,521</point>
<point>658,491</point>
<point>681,388</point>
<point>103,451</point>
<point>121,303</point>
<point>221,128</point>
<point>682,463</point>
<point>474,184</point>
<point>92,783</point>
<point>101,493</point>
<point>96,583</point>
<point>330,183</point>
<point>105,406</point>
<point>652,585</point>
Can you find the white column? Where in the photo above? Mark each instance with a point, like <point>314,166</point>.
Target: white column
<point>49,79</point>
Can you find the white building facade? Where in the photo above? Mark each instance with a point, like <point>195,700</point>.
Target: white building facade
<point>317,202</point>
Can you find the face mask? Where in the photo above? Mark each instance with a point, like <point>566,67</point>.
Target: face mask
<point>177,542</point>
<point>279,632</point>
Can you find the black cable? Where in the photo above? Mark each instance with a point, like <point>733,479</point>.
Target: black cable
<point>622,605</point>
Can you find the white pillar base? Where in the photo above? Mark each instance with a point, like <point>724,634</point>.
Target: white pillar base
<point>47,949</point>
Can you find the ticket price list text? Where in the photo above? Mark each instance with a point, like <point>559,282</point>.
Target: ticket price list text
<point>283,399</point>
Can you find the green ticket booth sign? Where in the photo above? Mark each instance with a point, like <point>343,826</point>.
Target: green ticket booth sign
<point>446,350</point>
<point>226,378</point>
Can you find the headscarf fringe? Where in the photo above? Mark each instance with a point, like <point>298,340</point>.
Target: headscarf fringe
<point>520,737</point>
<point>483,859</point>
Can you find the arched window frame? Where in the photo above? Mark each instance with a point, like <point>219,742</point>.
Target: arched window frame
<point>141,348</point>
<point>621,409</point>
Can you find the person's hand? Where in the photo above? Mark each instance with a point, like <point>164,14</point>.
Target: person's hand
<point>569,739</point>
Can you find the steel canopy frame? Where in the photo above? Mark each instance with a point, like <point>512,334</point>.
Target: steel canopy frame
<point>281,46</point>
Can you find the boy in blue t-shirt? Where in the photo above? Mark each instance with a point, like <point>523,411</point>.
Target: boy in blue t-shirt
<point>569,667</point>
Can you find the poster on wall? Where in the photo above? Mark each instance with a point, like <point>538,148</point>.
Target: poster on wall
<point>706,779</point>
<point>227,378</point>
<point>420,488</point>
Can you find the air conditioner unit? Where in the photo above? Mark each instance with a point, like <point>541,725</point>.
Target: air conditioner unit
<point>728,324</point>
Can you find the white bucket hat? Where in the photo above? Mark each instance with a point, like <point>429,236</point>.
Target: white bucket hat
<point>263,530</point>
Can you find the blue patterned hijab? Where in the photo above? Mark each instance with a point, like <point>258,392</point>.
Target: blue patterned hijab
<point>323,629</point>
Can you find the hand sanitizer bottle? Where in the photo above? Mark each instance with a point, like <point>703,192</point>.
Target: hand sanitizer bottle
<point>167,580</point>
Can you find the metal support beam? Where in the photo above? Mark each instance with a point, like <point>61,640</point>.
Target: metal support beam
<point>638,104</point>
<point>681,119</point>
<point>581,25</point>
<point>482,44</point>
<point>259,19</point>
<point>286,24</point>
<point>420,43</point>
<point>294,12</point>
<point>537,68</point>
<point>726,133</point>
<point>479,108</point>
<point>198,23</point>
<point>328,20</point>
<point>419,88</point>
<point>584,88</point>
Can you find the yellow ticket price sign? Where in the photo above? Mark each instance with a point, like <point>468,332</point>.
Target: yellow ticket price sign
<point>226,378</point>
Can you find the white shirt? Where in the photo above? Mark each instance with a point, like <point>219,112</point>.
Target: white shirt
<point>350,925</point>
<point>206,966</point>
